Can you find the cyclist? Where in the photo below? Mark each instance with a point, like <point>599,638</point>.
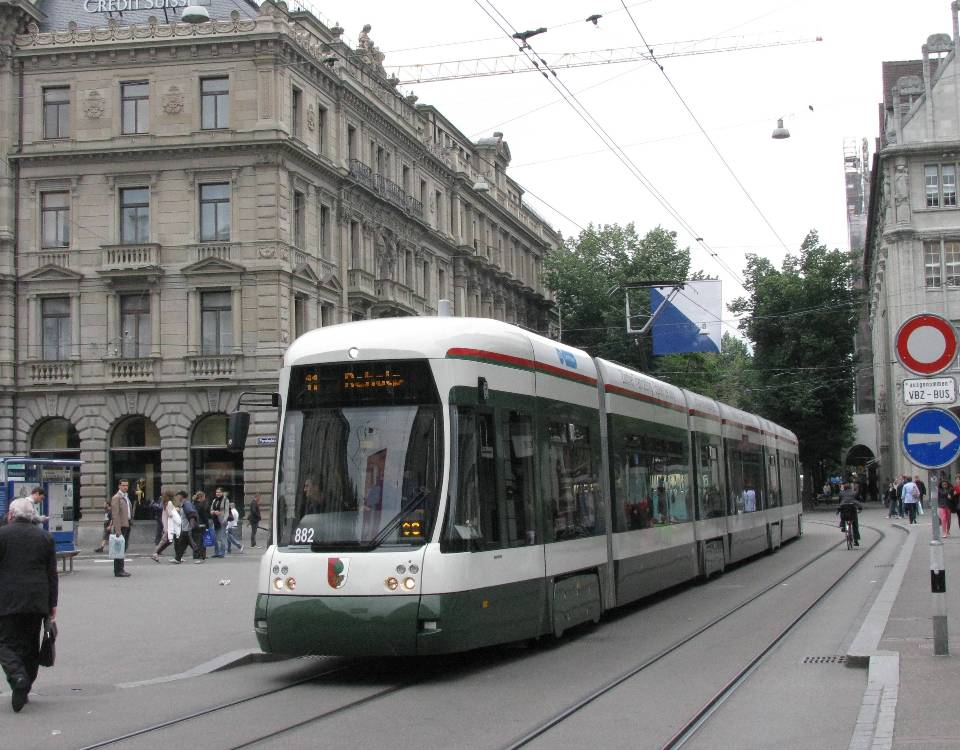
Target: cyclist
<point>848,509</point>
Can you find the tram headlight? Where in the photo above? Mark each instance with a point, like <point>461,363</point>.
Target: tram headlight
<point>409,583</point>
<point>278,584</point>
<point>276,569</point>
<point>291,583</point>
<point>414,569</point>
<point>284,570</point>
<point>392,583</point>
<point>401,569</point>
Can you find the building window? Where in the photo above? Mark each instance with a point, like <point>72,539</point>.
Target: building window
<point>932,184</point>
<point>326,315</point>
<point>322,128</point>
<point>214,103</point>
<point>134,107</point>
<point>135,325</point>
<point>299,224</point>
<point>441,284</point>
<point>216,323</point>
<point>948,175</point>
<point>56,112</point>
<point>296,108</point>
<point>324,232</point>
<point>55,328</point>
<point>355,253</point>
<point>951,263</point>
<point>135,456</point>
<point>55,220</point>
<point>134,215</point>
<point>405,179</point>
<point>299,315</point>
<point>215,212</point>
<point>351,142</point>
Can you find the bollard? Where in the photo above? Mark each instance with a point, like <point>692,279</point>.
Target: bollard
<point>938,588</point>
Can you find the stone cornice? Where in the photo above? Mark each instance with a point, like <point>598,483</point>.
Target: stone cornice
<point>916,149</point>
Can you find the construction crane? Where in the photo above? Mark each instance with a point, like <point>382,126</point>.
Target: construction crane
<point>509,64</point>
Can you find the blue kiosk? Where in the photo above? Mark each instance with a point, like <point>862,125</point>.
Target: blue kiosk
<point>58,477</point>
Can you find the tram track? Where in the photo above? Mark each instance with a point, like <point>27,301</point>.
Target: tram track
<point>701,716</point>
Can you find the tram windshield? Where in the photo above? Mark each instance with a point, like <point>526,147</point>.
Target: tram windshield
<point>362,456</point>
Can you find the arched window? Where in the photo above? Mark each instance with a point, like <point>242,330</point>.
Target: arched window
<point>135,456</point>
<point>211,464</point>
<point>55,438</point>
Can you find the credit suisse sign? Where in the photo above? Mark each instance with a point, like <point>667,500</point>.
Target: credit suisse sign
<point>115,6</point>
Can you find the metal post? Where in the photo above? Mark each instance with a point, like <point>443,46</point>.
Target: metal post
<point>938,581</point>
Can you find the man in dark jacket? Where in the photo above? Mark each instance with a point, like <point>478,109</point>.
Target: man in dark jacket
<point>28,594</point>
<point>848,510</point>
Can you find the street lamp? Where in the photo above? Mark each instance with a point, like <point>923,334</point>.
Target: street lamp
<point>780,132</point>
<point>194,14</point>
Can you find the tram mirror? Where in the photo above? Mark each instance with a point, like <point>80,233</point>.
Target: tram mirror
<point>238,425</point>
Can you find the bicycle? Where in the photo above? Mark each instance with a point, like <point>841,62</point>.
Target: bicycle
<point>848,531</point>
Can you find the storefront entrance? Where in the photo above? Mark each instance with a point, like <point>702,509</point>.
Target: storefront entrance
<point>135,456</point>
<point>211,464</point>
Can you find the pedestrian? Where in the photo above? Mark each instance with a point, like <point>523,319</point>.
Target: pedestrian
<point>219,511</point>
<point>944,498</point>
<point>36,497</point>
<point>28,594</point>
<point>189,521</point>
<point>903,480</point>
<point>923,492</point>
<point>848,509</point>
<point>203,517</point>
<point>910,495</point>
<point>120,513</point>
<point>892,500</point>
<point>254,521</point>
<point>232,538</point>
<point>169,508</point>
<point>158,509</point>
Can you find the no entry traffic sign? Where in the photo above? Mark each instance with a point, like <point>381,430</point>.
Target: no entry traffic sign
<point>931,438</point>
<point>926,344</point>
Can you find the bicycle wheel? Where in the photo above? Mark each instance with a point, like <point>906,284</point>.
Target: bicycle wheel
<point>849,531</point>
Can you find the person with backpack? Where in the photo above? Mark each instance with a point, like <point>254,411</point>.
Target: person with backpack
<point>189,524</point>
<point>910,494</point>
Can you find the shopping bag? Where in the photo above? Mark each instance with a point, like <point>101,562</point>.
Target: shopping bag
<point>118,547</point>
<point>208,538</point>
<point>48,648</point>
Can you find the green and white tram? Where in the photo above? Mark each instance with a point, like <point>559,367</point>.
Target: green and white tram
<point>450,483</point>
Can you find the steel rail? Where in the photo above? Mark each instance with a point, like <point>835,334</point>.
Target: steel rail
<point>565,713</point>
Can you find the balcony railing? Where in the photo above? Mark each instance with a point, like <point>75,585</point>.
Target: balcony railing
<point>212,367</point>
<point>131,370</point>
<point>361,282</point>
<point>220,251</point>
<point>391,291</point>
<point>48,373</point>
<point>384,187</point>
<point>130,257</point>
<point>53,258</point>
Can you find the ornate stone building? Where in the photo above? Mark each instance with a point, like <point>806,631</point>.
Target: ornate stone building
<point>912,248</point>
<point>178,202</point>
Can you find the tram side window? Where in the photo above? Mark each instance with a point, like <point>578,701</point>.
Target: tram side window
<point>520,509</point>
<point>574,487</point>
<point>744,477</point>
<point>651,482</point>
<point>788,476</point>
<point>709,492</point>
<point>474,519</point>
<point>773,481</point>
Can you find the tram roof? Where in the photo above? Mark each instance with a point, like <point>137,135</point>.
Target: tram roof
<point>429,337</point>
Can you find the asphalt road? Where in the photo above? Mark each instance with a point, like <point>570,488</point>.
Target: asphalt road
<point>127,644</point>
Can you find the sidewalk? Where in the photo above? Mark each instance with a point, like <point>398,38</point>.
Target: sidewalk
<point>912,695</point>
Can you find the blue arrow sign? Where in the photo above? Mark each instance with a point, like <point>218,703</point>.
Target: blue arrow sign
<point>931,438</point>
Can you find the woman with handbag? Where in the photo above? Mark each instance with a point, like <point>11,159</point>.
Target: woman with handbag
<point>169,511</point>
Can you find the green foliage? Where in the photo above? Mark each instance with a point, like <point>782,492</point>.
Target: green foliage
<point>727,377</point>
<point>586,272</point>
<point>801,320</point>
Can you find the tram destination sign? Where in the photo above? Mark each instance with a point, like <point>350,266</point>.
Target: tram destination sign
<point>930,391</point>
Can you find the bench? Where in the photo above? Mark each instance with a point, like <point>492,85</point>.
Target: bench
<point>65,556</point>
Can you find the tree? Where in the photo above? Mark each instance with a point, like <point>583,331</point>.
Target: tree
<point>586,273</point>
<point>727,377</point>
<point>801,320</point>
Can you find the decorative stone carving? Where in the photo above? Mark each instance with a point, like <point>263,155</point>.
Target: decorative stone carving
<point>213,399</point>
<point>94,106</point>
<point>267,251</point>
<point>311,118</point>
<point>901,191</point>
<point>173,101</point>
<point>131,401</point>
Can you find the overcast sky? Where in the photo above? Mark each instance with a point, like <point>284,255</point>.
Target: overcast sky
<point>797,184</point>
